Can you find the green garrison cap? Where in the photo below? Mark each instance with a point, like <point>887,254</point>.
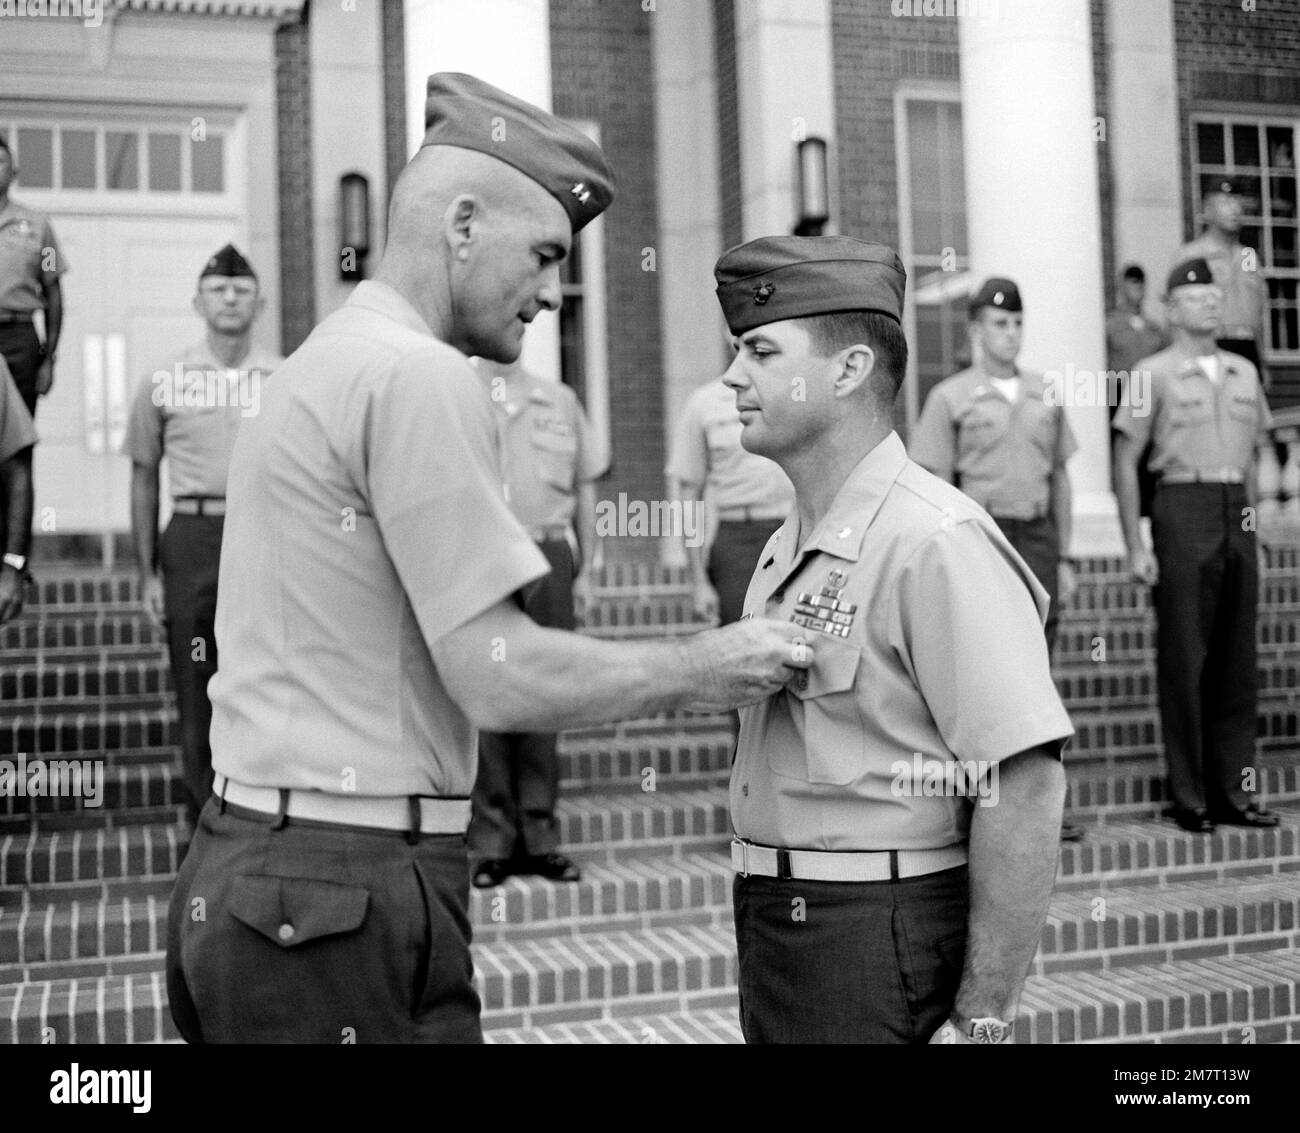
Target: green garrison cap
<point>463,111</point>
<point>229,262</point>
<point>791,277</point>
<point>996,292</point>
<point>1189,272</point>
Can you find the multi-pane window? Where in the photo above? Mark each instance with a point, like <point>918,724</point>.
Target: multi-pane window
<point>93,158</point>
<point>932,182</point>
<point>1261,153</point>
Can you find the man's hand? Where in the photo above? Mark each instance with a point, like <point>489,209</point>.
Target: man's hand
<point>1066,583</point>
<point>746,662</point>
<point>11,594</point>
<point>151,598</point>
<point>1142,566</point>
<point>583,597</point>
<point>948,1035</point>
<point>704,601</point>
<point>45,377</point>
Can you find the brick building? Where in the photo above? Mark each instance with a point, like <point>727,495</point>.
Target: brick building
<point>1049,142</point>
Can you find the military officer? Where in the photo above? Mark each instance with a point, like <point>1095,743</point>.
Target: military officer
<point>31,265</point>
<point>369,622</point>
<point>1236,271</point>
<point>190,414</point>
<point>550,457</point>
<point>17,436</point>
<point>873,901</point>
<point>1206,419</point>
<point>749,496</point>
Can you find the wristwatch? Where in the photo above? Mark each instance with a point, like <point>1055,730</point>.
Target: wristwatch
<point>985,1030</point>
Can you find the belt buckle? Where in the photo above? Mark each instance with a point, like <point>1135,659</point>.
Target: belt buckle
<point>744,855</point>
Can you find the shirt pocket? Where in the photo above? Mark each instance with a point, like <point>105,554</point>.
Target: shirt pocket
<point>832,722</point>
<point>292,911</point>
<point>557,458</point>
<point>979,428</point>
<point>1041,427</point>
<point>1243,416</point>
<point>1190,410</point>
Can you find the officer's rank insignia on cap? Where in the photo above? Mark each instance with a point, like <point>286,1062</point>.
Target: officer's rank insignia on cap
<point>581,191</point>
<point>826,611</point>
<point>763,292</point>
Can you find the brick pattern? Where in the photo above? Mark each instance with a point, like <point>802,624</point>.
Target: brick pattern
<point>601,70</point>
<point>293,120</point>
<point>728,116</point>
<point>393,17</point>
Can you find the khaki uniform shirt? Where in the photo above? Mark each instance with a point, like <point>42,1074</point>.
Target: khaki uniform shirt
<point>939,652</point>
<point>1130,337</point>
<point>30,258</point>
<point>16,429</point>
<point>1194,422</point>
<point>191,414</point>
<point>365,521</point>
<point>1001,454</point>
<point>547,448</point>
<point>1244,292</point>
<point>707,452</point>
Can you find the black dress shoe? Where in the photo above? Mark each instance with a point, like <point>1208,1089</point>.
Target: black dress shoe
<point>490,872</point>
<point>1252,816</point>
<point>1195,820</point>
<point>553,867</point>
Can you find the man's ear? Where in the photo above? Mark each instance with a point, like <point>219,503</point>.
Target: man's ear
<point>858,363</point>
<point>458,224</point>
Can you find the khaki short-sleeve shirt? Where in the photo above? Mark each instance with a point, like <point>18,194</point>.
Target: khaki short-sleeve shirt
<point>1000,453</point>
<point>17,431</point>
<point>932,653</point>
<point>707,453</point>
<point>547,446</point>
<point>191,412</point>
<point>365,520</point>
<point>1194,422</point>
<point>30,258</point>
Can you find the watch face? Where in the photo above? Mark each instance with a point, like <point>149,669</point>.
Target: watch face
<point>987,1031</point>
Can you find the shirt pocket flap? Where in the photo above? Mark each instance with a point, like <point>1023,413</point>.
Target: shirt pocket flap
<point>293,910</point>
<point>834,668</point>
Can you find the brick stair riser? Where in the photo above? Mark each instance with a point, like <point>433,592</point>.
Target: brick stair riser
<point>128,1010</point>
<point>120,788</point>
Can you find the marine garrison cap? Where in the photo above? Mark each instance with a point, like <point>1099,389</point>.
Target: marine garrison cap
<point>791,277</point>
<point>229,262</point>
<point>463,111</point>
<point>996,292</point>
<point>1231,186</point>
<point>1187,273</point>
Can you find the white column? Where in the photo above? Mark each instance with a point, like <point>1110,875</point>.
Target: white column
<point>1142,132</point>
<point>506,43</point>
<point>785,92</point>
<point>692,330</point>
<point>347,92</point>
<point>1032,210</point>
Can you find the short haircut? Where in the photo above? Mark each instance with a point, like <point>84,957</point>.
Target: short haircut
<point>832,332</point>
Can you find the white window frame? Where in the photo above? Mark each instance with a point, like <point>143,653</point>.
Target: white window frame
<point>1227,120</point>
<point>905,93</point>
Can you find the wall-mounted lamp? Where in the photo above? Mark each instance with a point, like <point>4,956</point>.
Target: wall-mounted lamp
<point>814,193</point>
<point>354,225</point>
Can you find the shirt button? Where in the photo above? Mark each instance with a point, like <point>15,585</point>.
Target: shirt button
<point>802,681</point>
<point>744,789</point>
<point>286,931</point>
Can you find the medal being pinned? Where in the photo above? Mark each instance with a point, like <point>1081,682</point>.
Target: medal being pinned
<point>826,611</point>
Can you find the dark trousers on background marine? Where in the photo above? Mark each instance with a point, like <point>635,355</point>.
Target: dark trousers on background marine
<point>22,351</point>
<point>732,559</point>
<point>1037,542</point>
<point>518,782</point>
<point>1206,599</point>
<point>313,932</point>
<point>866,961</point>
<point>189,553</point>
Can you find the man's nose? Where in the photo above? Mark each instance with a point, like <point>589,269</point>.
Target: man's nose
<point>551,293</point>
<point>734,378</point>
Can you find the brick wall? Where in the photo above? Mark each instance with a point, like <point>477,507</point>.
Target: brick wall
<point>1227,58</point>
<point>724,55</point>
<point>394,34</point>
<point>873,51</point>
<point>293,120</point>
<point>602,70</point>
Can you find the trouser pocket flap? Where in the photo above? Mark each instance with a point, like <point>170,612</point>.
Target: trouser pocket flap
<point>293,910</point>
